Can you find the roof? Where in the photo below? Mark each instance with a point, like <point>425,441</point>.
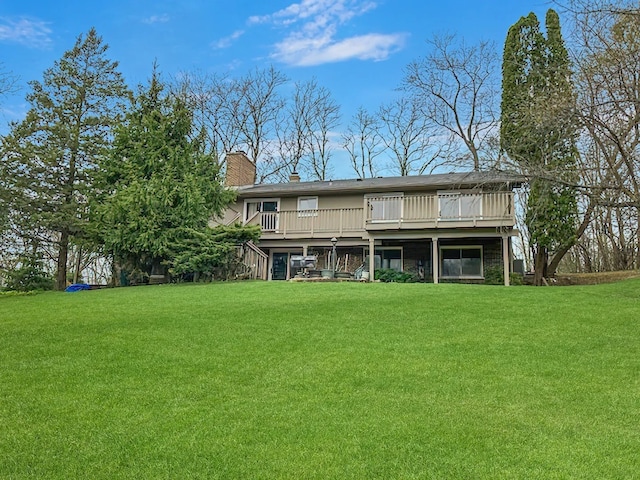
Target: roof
<point>384,184</point>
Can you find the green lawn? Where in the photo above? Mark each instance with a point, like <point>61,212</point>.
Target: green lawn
<point>303,381</point>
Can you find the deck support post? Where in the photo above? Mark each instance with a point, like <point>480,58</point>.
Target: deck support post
<point>505,259</point>
<point>435,259</point>
<point>372,259</point>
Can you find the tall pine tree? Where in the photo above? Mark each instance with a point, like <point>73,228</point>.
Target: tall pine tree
<point>159,184</point>
<point>538,131</point>
<point>49,159</point>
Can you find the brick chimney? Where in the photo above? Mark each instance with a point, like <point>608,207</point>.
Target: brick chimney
<point>294,177</point>
<point>240,170</point>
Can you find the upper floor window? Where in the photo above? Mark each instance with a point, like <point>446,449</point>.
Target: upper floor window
<point>266,208</point>
<point>385,208</point>
<point>307,206</point>
<point>460,205</point>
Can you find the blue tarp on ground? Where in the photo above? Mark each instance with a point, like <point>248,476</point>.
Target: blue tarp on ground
<point>76,287</point>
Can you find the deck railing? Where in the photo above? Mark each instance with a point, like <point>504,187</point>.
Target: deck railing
<point>394,211</point>
<point>255,261</point>
<point>447,207</point>
<point>310,222</point>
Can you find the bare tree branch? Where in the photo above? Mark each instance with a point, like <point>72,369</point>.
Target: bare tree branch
<point>456,86</point>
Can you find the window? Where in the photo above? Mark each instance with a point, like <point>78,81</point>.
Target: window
<point>388,258</point>
<point>307,206</point>
<point>385,208</point>
<point>266,208</point>
<point>461,262</point>
<point>460,205</point>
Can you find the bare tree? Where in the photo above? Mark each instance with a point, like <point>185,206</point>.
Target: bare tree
<point>324,116</point>
<point>457,87</point>
<point>215,102</point>
<point>259,105</point>
<point>409,137</point>
<point>293,129</point>
<point>303,131</point>
<point>595,9</point>
<point>8,81</point>
<point>281,134</point>
<point>607,59</point>
<point>237,113</point>
<point>362,142</point>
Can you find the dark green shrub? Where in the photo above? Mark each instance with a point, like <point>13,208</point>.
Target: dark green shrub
<point>388,275</point>
<point>30,276</point>
<point>494,276</point>
<point>515,278</point>
<point>137,277</point>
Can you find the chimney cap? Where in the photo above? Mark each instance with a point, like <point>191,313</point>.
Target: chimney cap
<point>294,177</point>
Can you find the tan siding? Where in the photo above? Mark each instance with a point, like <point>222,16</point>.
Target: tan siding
<point>288,204</point>
<point>342,201</point>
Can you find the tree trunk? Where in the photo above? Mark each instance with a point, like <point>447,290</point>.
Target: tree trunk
<point>115,280</point>
<point>78,266</point>
<point>540,269</point>
<point>637,263</point>
<point>555,260</point>
<point>63,253</point>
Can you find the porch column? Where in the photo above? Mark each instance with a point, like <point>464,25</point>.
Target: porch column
<point>305,250</point>
<point>372,259</point>
<point>435,259</point>
<point>505,259</point>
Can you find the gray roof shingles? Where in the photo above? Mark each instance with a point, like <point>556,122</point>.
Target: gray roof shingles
<point>384,184</point>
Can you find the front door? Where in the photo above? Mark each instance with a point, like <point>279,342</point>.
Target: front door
<point>270,216</point>
<point>279,268</point>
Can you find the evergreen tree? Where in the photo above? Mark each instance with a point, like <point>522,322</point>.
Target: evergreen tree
<point>49,158</point>
<point>158,183</point>
<point>538,131</point>
<point>210,253</point>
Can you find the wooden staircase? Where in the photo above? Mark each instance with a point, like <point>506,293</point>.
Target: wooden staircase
<point>256,262</point>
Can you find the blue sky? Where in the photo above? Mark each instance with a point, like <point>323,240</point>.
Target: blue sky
<point>355,48</point>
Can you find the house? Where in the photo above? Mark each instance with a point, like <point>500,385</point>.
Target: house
<point>443,227</point>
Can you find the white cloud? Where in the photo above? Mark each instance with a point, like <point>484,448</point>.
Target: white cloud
<point>317,11</point>
<point>226,42</point>
<point>164,18</point>
<point>372,46</point>
<point>25,31</point>
<point>315,40</point>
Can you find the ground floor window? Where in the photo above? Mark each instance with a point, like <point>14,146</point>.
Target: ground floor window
<point>461,262</point>
<point>387,258</point>
<point>281,266</point>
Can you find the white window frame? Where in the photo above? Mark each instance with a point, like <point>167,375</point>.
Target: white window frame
<point>307,212</point>
<point>458,195</point>
<point>460,248</point>
<point>398,196</point>
<point>247,201</point>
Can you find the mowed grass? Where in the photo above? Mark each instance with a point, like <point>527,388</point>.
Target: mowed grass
<point>321,381</point>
